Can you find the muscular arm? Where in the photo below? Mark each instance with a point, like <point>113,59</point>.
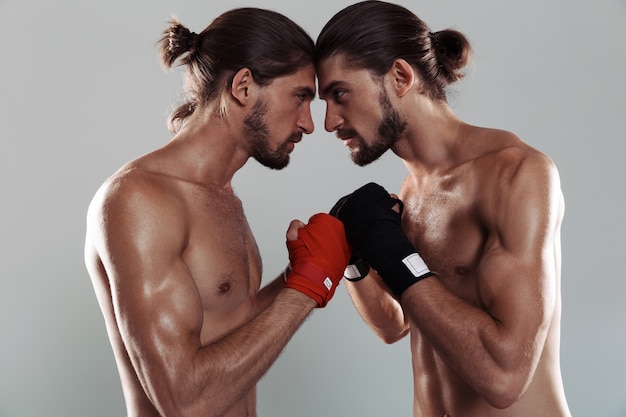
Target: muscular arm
<point>382,313</point>
<point>159,313</point>
<point>496,348</point>
<point>268,293</point>
<point>372,299</point>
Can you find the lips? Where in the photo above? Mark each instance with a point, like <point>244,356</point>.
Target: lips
<point>348,136</point>
<point>348,142</point>
<point>291,142</point>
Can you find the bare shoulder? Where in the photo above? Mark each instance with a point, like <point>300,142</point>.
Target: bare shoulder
<point>513,175</point>
<point>133,187</point>
<point>510,161</point>
<point>134,199</point>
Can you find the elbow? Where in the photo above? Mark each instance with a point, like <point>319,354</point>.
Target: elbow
<point>390,337</point>
<point>505,391</point>
<point>388,340</point>
<point>502,400</point>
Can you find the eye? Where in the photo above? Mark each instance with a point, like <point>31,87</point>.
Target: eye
<point>338,94</point>
<point>304,97</point>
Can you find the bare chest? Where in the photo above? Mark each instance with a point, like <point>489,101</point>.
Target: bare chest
<point>442,222</point>
<point>222,256</point>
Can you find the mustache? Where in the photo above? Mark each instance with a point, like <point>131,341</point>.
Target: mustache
<point>295,137</point>
<point>347,133</point>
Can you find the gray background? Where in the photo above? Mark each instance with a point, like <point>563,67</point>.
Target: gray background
<point>81,93</point>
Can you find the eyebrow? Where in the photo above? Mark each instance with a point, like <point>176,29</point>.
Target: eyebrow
<point>307,91</point>
<point>331,86</point>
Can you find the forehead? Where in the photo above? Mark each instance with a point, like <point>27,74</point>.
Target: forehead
<point>334,71</point>
<point>303,78</point>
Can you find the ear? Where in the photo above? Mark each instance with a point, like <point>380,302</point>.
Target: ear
<point>243,86</point>
<point>402,76</point>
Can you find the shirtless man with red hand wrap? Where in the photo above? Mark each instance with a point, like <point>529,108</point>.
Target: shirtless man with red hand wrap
<point>173,262</point>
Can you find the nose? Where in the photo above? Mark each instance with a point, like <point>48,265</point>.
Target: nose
<point>332,121</point>
<point>305,122</point>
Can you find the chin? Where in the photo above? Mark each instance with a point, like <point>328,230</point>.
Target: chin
<point>362,160</point>
<point>280,164</point>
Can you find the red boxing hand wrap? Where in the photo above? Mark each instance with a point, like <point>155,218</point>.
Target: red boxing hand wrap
<point>318,258</point>
<point>312,281</point>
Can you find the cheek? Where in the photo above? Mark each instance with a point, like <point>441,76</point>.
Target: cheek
<point>280,125</point>
<point>364,115</point>
<point>282,112</point>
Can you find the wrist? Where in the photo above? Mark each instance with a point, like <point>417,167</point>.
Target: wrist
<point>356,270</point>
<point>294,296</point>
<point>309,279</point>
<point>402,273</point>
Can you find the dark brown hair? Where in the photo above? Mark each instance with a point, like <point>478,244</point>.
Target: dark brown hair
<point>372,34</point>
<point>266,42</point>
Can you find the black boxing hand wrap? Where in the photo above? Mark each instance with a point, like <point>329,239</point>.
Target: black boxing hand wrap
<point>357,268</point>
<point>374,230</point>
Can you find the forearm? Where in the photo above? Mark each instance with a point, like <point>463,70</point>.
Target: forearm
<point>469,341</point>
<point>378,308</point>
<point>217,375</point>
<point>221,373</point>
<point>268,293</point>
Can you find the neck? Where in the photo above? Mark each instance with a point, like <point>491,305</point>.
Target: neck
<point>208,150</point>
<point>432,139</point>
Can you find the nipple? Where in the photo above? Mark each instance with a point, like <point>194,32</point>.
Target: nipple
<point>460,270</point>
<point>224,288</point>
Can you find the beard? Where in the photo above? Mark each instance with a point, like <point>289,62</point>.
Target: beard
<point>257,131</point>
<point>389,131</point>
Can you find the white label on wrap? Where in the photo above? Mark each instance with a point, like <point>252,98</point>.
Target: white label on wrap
<point>352,272</point>
<point>328,283</point>
<point>416,265</point>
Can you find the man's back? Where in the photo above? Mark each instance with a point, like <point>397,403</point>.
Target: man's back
<point>164,250</point>
<point>461,221</point>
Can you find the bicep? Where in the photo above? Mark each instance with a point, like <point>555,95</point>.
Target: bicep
<point>154,298</point>
<point>158,311</point>
<point>519,296</point>
<point>518,272</point>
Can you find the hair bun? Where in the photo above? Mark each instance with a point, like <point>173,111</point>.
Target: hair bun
<point>453,52</point>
